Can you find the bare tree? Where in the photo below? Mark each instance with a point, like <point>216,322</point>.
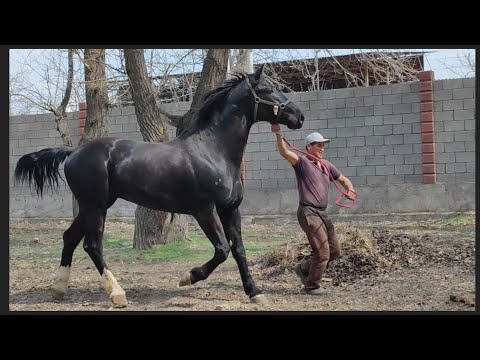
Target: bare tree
<point>30,84</point>
<point>174,74</point>
<point>154,227</point>
<point>464,66</point>
<point>61,111</point>
<point>35,98</point>
<point>213,74</point>
<point>151,227</point>
<point>467,60</point>
<point>15,87</point>
<point>96,96</point>
<point>241,60</point>
<point>378,66</point>
<point>96,124</point>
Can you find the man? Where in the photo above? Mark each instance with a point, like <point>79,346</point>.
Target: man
<point>313,180</point>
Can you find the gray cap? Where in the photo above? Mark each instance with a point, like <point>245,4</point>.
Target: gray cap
<point>315,137</point>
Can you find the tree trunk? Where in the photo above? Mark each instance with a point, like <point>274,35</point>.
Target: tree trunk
<point>158,227</point>
<point>213,74</point>
<point>60,114</point>
<point>151,227</point>
<point>61,111</point>
<point>96,124</point>
<point>242,62</point>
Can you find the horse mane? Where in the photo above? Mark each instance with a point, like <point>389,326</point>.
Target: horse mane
<point>214,99</point>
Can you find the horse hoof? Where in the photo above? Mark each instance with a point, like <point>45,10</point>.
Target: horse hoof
<point>185,280</point>
<point>119,300</point>
<point>259,299</point>
<point>57,294</point>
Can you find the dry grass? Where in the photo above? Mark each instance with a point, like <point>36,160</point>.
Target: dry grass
<point>351,237</point>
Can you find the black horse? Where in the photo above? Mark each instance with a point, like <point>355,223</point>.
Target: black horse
<point>197,173</point>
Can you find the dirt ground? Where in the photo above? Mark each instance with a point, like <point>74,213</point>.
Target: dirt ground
<point>414,266</point>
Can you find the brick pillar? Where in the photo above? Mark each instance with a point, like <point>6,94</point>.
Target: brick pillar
<point>82,117</point>
<point>427,126</point>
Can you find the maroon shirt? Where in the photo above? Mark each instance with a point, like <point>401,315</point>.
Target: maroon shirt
<point>313,182</point>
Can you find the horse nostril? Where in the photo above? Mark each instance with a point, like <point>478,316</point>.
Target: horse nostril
<point>302,118</point>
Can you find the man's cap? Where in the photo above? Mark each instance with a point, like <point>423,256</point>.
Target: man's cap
<point>315,137</point>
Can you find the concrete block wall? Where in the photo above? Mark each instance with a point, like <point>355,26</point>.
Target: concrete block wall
<point>376,137</point>
<point>454,106</point>
<point>375,133</point>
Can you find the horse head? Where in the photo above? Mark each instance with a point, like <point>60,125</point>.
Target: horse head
<point>272,105</point>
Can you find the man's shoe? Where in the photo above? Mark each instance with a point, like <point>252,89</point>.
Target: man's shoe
<point>298,270</point>
<point>317,291</point>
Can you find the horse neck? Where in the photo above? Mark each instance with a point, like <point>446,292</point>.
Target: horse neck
<point>230,131</point>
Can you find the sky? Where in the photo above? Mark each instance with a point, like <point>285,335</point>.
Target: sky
<point>446,63</point>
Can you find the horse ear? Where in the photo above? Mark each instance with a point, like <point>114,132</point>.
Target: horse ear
<point>259,72</point>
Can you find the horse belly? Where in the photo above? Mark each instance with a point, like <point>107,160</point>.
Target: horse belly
<point>162,198</point>
<point>229,196</point>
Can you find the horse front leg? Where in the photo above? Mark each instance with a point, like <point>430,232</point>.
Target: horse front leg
<point>232,224</point>
<point>211,225</point>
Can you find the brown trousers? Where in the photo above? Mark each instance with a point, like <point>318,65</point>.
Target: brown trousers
<point>323,241</point>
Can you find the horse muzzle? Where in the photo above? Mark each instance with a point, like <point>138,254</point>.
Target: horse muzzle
<point>298,124</point>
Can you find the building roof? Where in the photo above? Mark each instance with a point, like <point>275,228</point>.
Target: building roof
<point>362,69</point>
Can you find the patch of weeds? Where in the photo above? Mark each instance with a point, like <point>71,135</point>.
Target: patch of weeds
<point>196,247</point>
<point>459,219</point>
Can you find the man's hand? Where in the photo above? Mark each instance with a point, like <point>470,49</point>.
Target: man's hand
<point>351,194</point>
<point>291,157</point>
<point>276,129</point>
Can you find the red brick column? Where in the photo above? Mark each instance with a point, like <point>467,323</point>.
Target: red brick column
<point>427,126</point>
<point>243,174</point>
<point>82,117</point>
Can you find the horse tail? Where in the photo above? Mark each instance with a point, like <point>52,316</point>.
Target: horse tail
<point>41,168</point>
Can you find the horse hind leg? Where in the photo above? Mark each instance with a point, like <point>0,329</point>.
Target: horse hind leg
<point>71,238</point>
<point>93,245</point>
<point>212,227</point>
